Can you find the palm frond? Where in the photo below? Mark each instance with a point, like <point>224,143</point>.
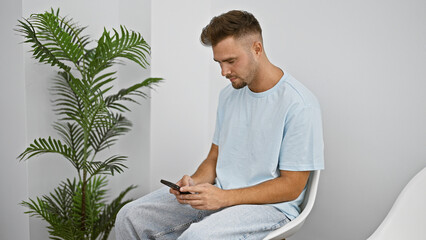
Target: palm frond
<point>73,136</point>
<point>109,213</point>
<point>38,208</point>
<point>58,227</point>
<point>42,146</point>
<point>60,204</point>
<point>56,209</point>
<point>40,51</point>
<point>109,166</point>
<point>78,101</point>
<point>105,132</point>
<point>61,36</point>
<point>102,80</point>
<point>126,44</point>
<point>126,94</point>
<point>69,94</point>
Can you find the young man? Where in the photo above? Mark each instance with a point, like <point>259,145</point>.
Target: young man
<point>268,138</point>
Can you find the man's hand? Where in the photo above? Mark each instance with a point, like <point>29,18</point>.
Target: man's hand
<point>205,197</point>
<point>185,181</point>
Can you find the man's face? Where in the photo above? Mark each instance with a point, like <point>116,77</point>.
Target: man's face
<point>236,61</point>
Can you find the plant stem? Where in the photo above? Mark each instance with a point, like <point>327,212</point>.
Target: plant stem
<point>93,158</point>
<point>84,183</point>
<point>83,202</point>
<point>84,168</point>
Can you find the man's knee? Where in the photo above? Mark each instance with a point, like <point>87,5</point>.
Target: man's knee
<point>122,216</point>
<point>197,231</point>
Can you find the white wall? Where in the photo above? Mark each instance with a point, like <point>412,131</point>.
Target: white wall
<point>363,59</point>
<point>180,131</point>
<point>13,176</point>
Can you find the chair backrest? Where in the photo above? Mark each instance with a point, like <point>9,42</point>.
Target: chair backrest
<point>311,191</point>
<point>305,208</point>
<point>407,217</point>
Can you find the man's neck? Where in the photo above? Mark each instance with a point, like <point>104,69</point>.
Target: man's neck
<point>266,78</point>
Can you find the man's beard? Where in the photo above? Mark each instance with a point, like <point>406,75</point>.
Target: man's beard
<point>239,85</point>
<point>247,79</point>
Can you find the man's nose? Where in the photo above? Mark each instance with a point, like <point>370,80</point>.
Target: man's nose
<point>225,71</point>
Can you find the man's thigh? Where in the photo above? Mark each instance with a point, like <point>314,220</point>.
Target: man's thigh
<point>237,222</point>
<point>157,215</point>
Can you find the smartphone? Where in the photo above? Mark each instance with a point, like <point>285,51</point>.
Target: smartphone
<point>173,186</point>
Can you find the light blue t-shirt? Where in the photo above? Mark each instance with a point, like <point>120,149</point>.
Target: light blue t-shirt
<point>259,134</point>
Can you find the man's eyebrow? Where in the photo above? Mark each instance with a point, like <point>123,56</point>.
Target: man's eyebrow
<point>225,60</point>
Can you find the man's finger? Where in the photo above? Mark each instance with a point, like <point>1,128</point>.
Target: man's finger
<point>172,191</point>
<point>195,203</point>
<point>196,189</point>
<point>189,197</point>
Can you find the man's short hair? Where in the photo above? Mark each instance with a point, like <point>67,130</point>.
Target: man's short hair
<point>234,23</point>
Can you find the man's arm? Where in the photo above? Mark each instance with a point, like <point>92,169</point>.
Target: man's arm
<point>286,187</point>
<point>206,172</point>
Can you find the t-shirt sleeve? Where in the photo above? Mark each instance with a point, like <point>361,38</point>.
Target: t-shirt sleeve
<point>302,147</point>
<point>217,130</point>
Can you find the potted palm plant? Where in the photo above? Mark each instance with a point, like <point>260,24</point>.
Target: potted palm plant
<point>91,118</point>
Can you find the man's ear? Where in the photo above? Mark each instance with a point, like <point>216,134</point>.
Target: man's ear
<point>257,48</point>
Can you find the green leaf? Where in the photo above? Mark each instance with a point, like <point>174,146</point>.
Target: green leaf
<point>70,94</point>
<point>105,132</point>
<point>126,44</point>
<point>60,35</point>
<point>99,82</point>
<point>109,166</point>
<point>109,214</point>
<point>40,51</point>
<point>42,146</point>
<point>126,93</point>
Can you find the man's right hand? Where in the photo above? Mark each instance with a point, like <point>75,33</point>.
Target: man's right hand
<point>185,181</point>
<point>206,173</point>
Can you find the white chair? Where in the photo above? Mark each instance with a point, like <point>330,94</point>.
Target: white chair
<point>293,226</point>
<point>407,217</point>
